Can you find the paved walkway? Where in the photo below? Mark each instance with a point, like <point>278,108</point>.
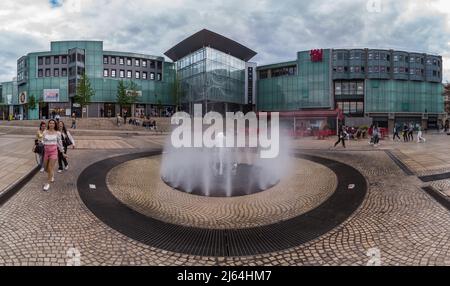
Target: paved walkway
<point>397,220</point>
<point>16,159</point>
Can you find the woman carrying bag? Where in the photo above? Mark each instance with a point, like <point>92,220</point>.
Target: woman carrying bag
<point>67,140</point>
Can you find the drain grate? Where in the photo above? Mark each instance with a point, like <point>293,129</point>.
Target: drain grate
<point>221,242</point>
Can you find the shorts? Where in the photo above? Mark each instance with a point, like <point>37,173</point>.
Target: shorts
<point>51,152</point>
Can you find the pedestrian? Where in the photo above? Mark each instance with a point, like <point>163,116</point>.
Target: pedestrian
<point>396,133</point>
<point>119,120</point>
<point>67,140</point>
<point>341,136</point>
<point>376,135</point>
<point>52,143</point>
<point>39,144</point>
<point>411,132</point>
<point>74,121</point>
<point>405,133</point>
<point>420,138</point>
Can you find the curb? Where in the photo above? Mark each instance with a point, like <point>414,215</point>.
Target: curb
<point>10,191</point>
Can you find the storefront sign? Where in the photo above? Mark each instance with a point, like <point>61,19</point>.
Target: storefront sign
<point>23,97</point>
<point>51,95</point>
<point>316,55</point>
<point>137,93</point>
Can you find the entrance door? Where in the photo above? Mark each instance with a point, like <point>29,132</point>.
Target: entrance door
<point>110,110</point>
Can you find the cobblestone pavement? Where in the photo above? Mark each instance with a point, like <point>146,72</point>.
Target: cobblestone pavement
<point>138,184</point>
<point>397,218</point>
<point>16,159</point>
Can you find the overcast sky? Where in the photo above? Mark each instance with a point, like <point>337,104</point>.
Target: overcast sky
<point>275,29</point>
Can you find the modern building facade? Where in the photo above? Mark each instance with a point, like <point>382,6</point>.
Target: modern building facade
<point>52,77</point>
<point>214,71</point>
<point>386,87</point>
<point>360,86</point>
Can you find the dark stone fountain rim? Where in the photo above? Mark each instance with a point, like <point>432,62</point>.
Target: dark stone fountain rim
<point>221,242</point>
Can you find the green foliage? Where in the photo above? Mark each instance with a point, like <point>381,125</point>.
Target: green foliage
<point>31,102</point>
<point>84,91</point>
<point>127,99</point>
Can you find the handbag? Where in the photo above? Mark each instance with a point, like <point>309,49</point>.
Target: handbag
<point>67,141</point>
<point>38,148</point>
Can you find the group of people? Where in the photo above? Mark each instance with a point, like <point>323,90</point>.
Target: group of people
<point>346,133</point>
<point>143,121</point>
<point>51,144</point>
<point>408,133</point>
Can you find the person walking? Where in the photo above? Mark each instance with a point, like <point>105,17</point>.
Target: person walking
<point>420,138</point>
<point>411,132</point>
<point>74,121</point>
<point>396,133</point>
<point>67,140</point>
<point>341,136</point>
<point>39,144</point>
<point>52,143</point>
<point>376,135</point>
<point>405,133</point>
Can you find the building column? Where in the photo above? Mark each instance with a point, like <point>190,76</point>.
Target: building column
<point>391,124</point>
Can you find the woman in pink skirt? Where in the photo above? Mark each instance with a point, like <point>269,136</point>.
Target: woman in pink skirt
<point>52,142</point>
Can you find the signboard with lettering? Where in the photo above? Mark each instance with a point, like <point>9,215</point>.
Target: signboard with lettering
<point>316,55</point>
<point>51,95</point>
<point>137,93</point>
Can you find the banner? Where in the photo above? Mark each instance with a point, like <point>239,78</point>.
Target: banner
<point>138,93</point>
<point>51,95</point>
<point>9,99</point>
<point>23,99</point>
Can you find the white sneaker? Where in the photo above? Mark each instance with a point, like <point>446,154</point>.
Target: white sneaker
<point>42,170</point>
<point>46,187</point>
<point>52,180</point>
<point>60,171</point>
<point>66,168</point>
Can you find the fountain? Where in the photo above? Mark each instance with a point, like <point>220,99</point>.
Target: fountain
<point>221,171</point>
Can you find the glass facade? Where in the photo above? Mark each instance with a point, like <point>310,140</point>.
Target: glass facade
<point>211,75</point>
<point>394,96</point>
<point>309,87</point>
<point>64,65</point>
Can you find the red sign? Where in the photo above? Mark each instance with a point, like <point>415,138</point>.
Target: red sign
<point>316,55</point>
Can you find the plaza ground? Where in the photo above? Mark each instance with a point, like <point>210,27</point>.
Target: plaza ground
<point>397,217</point>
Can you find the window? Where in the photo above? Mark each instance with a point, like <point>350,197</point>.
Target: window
<point>363,69</point>
<point>113,60</point>
<point>388,69</point>
<point>138,75</point>
<point>159,77</point>
<point>64,72</point>
<point>47,73</point>
<point>40,61</point>
<point>152,64</point>
<point>144,75</point>
<point>137,62</point>
<point>40,73</point>
<point>56,72</point>
<point>121,73</point>
<point>47,60</point>
<point>56,60</point>
<point>370,56</point>
<point>129,62</point>
<point>113,73</point>
<point>395,58</point>
<point>412,59</point>
<point>382,69</point>
<point>129,74</point>
<point>121,61</point>
<point>352,69</point>
<point>152,76</point>
<point>434,73</point>
<point>105,72</point>
<point>388,58</point>
<point>64,60</point>
<point>144,63</point>
<point>337,88</point>
<point>105,60</point>
<point>159,65</point>
<point>406,59</point>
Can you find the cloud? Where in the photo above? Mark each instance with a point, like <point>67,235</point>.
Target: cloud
<point>273,28</point>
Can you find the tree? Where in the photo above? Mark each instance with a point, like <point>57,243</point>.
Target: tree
<point>31,102</point>
<point>127,94</point>
<point>84,92</point>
